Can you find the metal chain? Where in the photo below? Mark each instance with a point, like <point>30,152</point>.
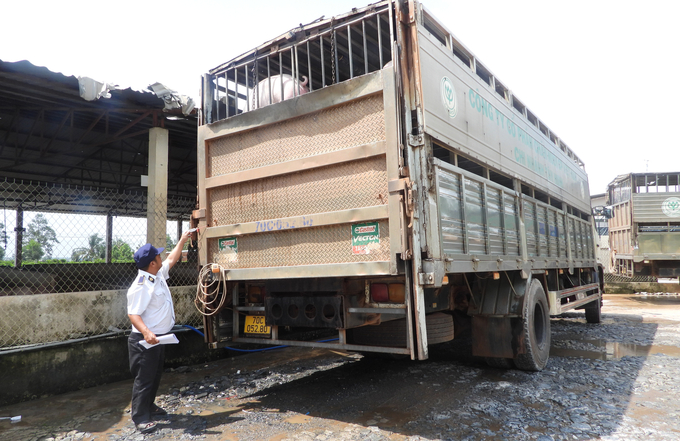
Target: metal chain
<point>333,50</point>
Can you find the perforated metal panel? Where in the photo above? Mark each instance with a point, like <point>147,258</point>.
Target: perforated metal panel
<point>308,246</point>
<point>352,124</point>
<point>361,183</point>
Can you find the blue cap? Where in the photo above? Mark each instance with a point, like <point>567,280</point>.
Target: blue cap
<point>146,254</point>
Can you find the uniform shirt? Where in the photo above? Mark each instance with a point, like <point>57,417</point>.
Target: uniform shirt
<point>149,297</point>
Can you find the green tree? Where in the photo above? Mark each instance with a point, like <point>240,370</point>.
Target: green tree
<point>169,244</point>
<point>96,249</point>
<point>121,250</point>
<point>39,230</point>
<point>3,241</point>
<point>32,251</point>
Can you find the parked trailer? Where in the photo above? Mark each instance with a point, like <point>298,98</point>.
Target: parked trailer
<point>395,183</point>
<point>644,232</point>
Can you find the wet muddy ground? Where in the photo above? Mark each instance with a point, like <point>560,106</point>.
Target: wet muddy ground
<point>614,381</point>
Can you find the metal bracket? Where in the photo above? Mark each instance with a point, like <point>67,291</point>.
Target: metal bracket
<point>425,278</point>
<point>416,140</point>
<point>433,273</point>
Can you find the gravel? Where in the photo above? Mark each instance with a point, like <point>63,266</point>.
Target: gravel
<point>612,381</point>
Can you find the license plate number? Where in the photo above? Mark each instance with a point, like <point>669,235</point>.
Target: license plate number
<point>255,325</point>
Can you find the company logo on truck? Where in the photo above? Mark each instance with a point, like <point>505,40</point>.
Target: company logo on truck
<point>365,238</point>
<point>448,94</point>
<point>671,207</point>
<point>369,229</point>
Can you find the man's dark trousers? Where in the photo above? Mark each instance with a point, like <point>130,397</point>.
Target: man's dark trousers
<point>146,366</point>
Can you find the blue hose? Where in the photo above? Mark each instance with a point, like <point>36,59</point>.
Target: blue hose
<point>194,329</point>
<point>253,350</point>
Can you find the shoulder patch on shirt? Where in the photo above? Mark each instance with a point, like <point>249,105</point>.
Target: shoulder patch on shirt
<point>152,280</point>
<point>140,281</point>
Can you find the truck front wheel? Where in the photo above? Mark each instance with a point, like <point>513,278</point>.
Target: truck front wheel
<point>535,332</point>
<point>594,311</point>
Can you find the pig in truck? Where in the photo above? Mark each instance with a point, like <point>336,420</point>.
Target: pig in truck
<point>407,186</point>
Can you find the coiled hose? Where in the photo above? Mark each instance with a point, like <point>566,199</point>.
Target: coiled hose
<point>208,300</point>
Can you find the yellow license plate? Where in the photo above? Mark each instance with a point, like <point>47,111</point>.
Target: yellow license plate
<point>255,325</point>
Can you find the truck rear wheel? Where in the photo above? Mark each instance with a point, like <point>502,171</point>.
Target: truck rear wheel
<point>393,333</point>
<point>536,330</point>
<point>594,311</point>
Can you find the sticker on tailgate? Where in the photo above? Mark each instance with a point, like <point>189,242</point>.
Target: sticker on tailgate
<point>365,237</point>
<point>228,250</point>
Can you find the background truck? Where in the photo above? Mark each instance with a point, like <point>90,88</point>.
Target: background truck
<point>644,232</point>
<point>367,176</point>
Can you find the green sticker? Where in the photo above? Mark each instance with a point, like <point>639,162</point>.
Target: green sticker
<point>228,250</point>
<point>229,243</point>
<point>365,237</point>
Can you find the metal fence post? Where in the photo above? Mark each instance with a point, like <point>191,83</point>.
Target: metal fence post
<point>18,237</point>
<point>109,236</point>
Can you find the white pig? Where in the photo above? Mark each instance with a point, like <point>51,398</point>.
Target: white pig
<point>289,86</point>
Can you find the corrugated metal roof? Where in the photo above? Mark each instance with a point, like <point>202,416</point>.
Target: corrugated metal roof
<point>48,133</point>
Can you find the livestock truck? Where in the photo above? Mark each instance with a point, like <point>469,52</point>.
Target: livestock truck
<point>366,176</point>
<point>644,229</point>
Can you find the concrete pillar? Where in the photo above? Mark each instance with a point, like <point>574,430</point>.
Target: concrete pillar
<point>157,205</point>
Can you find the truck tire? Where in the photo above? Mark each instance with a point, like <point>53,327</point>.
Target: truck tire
<point>594,311</point>
<point>393,333</point>
<point>535,329</point>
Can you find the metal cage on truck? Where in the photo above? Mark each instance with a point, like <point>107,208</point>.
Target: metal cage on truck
<point>367,176</point>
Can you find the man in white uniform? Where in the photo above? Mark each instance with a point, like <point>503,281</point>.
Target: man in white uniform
<point>150,308</point>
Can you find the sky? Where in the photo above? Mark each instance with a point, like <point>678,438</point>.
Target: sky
<point>599,73</point>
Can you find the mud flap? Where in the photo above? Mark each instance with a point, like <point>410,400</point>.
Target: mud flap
<point>498,337</point>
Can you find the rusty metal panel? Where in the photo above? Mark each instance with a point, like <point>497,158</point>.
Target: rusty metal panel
<point>350,124</point>
<point>361,183</point>
<point>301,246</point>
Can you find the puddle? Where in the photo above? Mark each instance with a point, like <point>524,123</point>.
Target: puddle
<point>298,419</point>
<point>641,300</point>
<point>614,350</point>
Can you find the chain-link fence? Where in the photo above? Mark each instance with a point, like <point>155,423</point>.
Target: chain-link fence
<point>66,259</point>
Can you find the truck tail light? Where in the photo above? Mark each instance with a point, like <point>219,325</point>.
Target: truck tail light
<point>254,294</point>
<point>383,292</point>
<point>397,293</point>
<point>379,292</point>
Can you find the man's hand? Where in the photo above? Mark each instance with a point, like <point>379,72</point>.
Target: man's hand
<point>150,337</point>
<point>176,254</point>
